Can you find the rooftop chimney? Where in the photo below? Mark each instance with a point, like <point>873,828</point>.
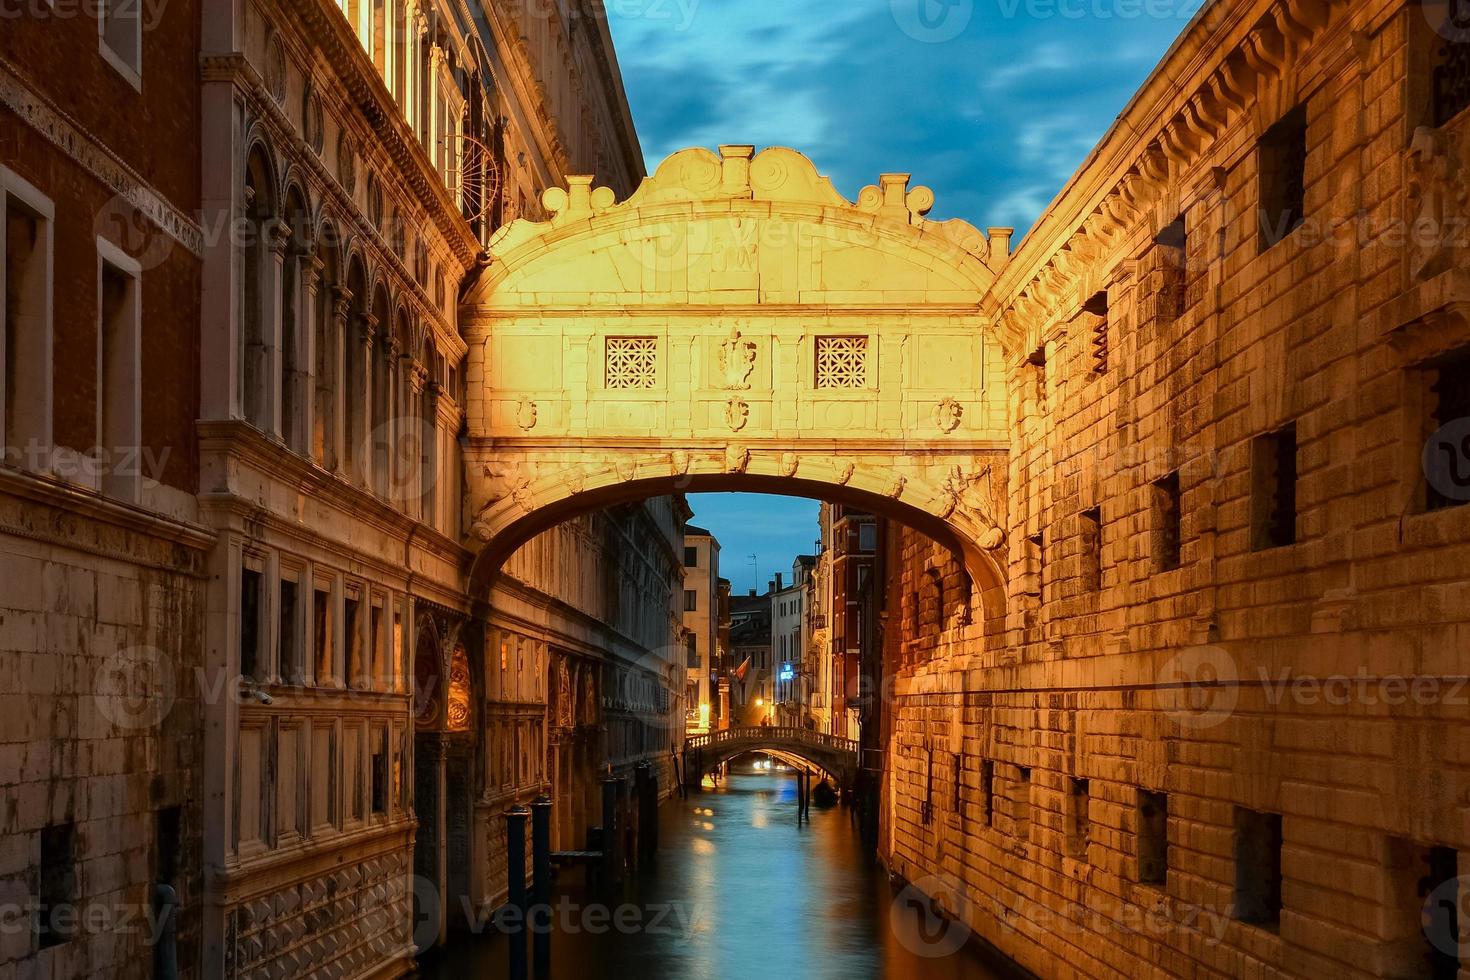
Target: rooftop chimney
<point>778,581</point>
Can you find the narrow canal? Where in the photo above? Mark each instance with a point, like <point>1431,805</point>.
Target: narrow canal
<point>739,890</point>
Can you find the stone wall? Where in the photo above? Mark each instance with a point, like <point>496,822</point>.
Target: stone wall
<point>1115,790</point>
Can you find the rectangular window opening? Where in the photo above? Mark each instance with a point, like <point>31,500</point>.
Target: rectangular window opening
<point>250,586</point>
<point>1273,489</point>
<point>1282,158</point>
<point>1153,837</point>
<point>1257,867</point>
<point>1168,523</point>
<point>1091,533</point>
<point>57,896</point>
<point>119,407</point>
<point>290,633</point>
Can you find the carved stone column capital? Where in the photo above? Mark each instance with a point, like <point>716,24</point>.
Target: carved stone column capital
<point>341,303</point>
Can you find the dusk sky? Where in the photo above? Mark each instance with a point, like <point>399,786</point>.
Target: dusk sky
<point>992,103</point>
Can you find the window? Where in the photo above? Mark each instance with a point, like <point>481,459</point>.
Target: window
<point>250,586</point>
<point>1257,867</point>
<point>987,790</point>
<point>119,339</point>
<point>1153,837</point>
<point>1090,530</point>
<point>25,321</point>
<point>352,639</point>
<point>1098,307</point>
<point>1273,489</point>
<point>57,897</point>
<point>1446,454</point>
<point>1038,548</point>
<point>321,619</point>
<point>289,652</point>
<point>691,557</point>
<point>691,600</point>
<point>1171,257</point>
<point>120,26</point>
<point>1079,820</point>
<point>1423,922</point>
<point>1451,77</point>
<point>1168,529</point>
<point>1021,805</point>
<point>380,769</point>
<point>841,362</point>
<point>691,651</point>
<point>632,362</point>
<point>1282,158</point>
<point>868,537</point>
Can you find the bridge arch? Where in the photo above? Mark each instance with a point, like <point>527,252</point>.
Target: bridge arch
<point>833,755</point>
<point>736,324</point>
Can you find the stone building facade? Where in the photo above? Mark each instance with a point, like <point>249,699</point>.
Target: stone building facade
<point>103,556</point>
<point>1218,730</point>
<point>240,630</point>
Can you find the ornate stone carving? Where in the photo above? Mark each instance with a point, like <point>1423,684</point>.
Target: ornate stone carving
<point>737,459</point>
<point>790,463</point>
<point>947,415</point>
<point>626,467</point>
<point>679,463</point>
<point>526,414</point>
<point>458,714</point>
<point>737,361</point>
<point>347,162</point>
<point>576,481</point>
<point>845,472</point>
<point>632,362</point>
<point>842,362</point>
<point>895,486</point>
<point>737,413</point>
<point>275,69</point>
<point>1438,196</point>
<point>313,130</point>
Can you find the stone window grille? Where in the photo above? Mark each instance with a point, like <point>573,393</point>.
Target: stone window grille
<point>841,362</point>
<point>1091,529</point>
<point>1098,307</point>
<point>1079,824</point>
<point>632,362</point>
<point>987,790</point>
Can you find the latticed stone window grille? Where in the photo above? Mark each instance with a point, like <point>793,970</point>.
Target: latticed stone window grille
<point>1451,81</point>
<point>632,362</point>
<point>842,362</point>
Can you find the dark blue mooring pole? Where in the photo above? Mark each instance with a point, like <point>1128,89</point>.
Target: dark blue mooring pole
<point>515,878</point>
<point>540,919</point>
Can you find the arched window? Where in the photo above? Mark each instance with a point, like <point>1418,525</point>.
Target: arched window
<point>378,379</point>
<point>255,304</point>
<point>354,398</point>
<point>294,376</point>
<point>328,353</point>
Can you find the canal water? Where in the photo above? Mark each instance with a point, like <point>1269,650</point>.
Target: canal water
<point>738,891</point>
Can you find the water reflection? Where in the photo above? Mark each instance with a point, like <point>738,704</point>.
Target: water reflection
<point>738,890</point>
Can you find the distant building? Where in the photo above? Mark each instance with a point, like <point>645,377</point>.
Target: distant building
<point>701,617</point>
<point>752,688</point>
<point>790,635</point>
<point>850,547</point>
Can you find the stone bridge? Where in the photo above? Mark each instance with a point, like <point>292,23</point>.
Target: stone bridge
<point>838,757</point>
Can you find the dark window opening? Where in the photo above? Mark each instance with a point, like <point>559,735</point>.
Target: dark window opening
<point>1168,523</point>
<point>1439,900</point>
<point>249,623</point>
<point>321,619</point>
<point>1451,78</point>
<point>1257,867</point>
<point>290,634</point>
<point>987,790</point>
<point>1038,545</point>
<point>691,557</point>
<point>1098,307</point>
<point>1079,825</point>
<point>380,771</point>
<point>959,782</point>
<point>1171,260</point>
<point>1273,489</point>
<point>1091,532</point>
<point>57,893</point>
<point>1282,186</point>
<point>691,600</point>
<point>1153,837</point>
<point>1447,454</point>
<point>353,637</point>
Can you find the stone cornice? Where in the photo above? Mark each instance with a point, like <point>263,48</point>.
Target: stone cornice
<point>89,504</point>
<point>34,108</point>
<point>323,21</point>
<point>1211,75</point>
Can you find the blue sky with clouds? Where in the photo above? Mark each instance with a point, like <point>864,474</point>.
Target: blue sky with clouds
<point>992,103</point>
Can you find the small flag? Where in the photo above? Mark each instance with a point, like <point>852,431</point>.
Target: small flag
<point>740,671</point>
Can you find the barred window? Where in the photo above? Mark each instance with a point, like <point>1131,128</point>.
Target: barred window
<point>632,362</point>
<point>842,362</point>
